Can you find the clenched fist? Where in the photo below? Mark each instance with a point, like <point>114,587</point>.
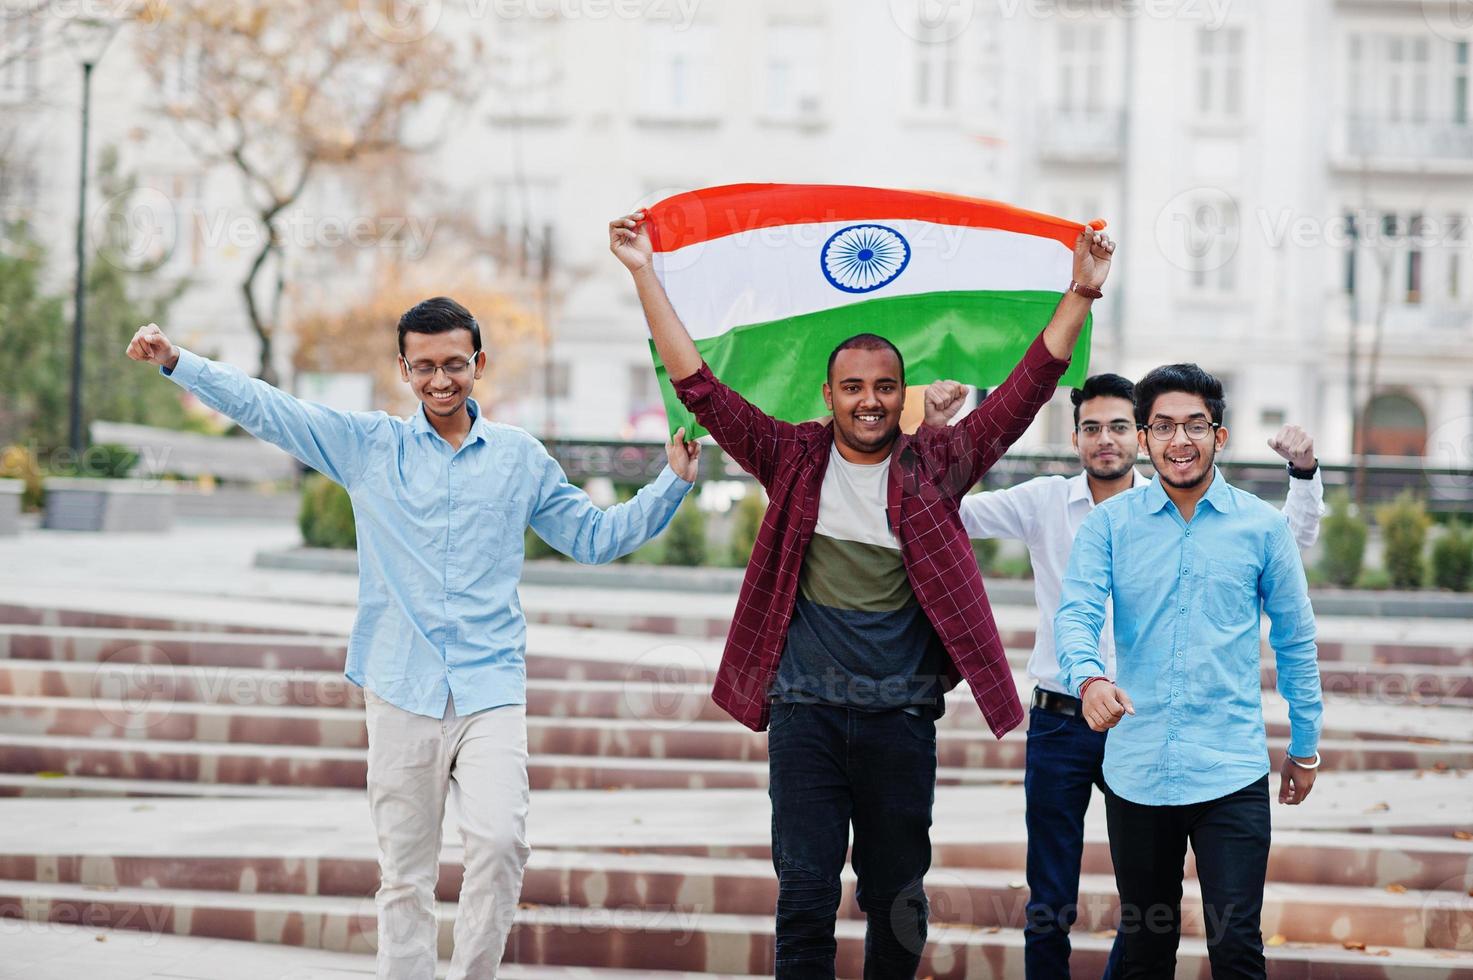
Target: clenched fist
<point>150,345</point>
<point>1295,445</point>
<point>943,400</point>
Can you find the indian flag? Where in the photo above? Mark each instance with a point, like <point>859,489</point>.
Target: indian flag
<point>769,278</point>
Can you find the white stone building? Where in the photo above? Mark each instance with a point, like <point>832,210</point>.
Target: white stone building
<point>1232,145</point>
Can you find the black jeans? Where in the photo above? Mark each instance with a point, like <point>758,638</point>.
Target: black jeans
<point>830,767</point>
<point>1064,762</point>
<point>1230,838</point>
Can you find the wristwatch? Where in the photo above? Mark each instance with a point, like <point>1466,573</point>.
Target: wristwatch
<point>1299,474</point>
<point>1075,286</point>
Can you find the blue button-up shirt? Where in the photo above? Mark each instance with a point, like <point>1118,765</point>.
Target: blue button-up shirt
<point>440,534</point>
<point>1187,599</point>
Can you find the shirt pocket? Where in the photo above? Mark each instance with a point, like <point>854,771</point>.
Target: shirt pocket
<point>1229,593</point>
<point>497,533</point>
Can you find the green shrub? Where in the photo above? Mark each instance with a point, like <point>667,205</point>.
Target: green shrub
<point>1343,539</point>
<point>1404,524</point>
<point>746,522</point>
<point>1375,579</point>
<point>685,538</point>
<point>326,516</point>
<point>533,548</point>
<point>19,463</point>
<point>1452,558</point>
<point>986,551</point>
<point>106,461</point>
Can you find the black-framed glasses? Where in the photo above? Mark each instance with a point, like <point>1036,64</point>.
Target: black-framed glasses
<point>1092,430</point>
<point>456,369</point>
<point>1198,429</point>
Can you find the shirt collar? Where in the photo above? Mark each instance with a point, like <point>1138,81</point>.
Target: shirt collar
<point>1079,486</point>
<point>480,429</point>
<point>1217,495</point>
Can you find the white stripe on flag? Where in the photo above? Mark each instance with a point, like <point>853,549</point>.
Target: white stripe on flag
<point>774,273</point>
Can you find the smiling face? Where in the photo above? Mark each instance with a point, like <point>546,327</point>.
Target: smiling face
<point>1183,462</point>
<point>1106,454</point>
<point>866,393</point>
<point>443,392</point>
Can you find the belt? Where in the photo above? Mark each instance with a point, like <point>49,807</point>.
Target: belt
<point>1061,704</point>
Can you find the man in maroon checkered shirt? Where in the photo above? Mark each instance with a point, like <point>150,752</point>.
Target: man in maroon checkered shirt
<point>861,606</point>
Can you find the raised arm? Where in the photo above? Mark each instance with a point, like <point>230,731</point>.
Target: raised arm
<point>565,518</point>
<point>970,447</point>
<point>754,439</point>
<point>1285,595</point>
<point>332,442</point>
<point>1305,504</point>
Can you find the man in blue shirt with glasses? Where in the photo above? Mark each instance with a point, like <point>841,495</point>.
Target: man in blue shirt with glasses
<point>441,501</point>
<point>1191,563</point>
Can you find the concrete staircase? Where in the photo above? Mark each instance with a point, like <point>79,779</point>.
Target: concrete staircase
<point>119,731</point>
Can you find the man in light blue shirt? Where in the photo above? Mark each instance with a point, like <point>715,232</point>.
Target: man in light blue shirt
<point>1190,563</point>
<point>441,501</point>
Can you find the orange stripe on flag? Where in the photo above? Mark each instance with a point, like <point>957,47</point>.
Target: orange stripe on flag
<point>715,212</point>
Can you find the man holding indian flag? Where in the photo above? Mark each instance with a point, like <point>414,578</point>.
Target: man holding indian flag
<point>862,602</point>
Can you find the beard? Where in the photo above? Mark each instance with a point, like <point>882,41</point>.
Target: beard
<point>1205,459</point>
<point>1113,471</point>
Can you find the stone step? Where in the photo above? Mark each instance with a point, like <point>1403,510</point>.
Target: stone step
<point>63,952</point>
<point>62,635</point>
<point>603,738</point>
<point>641,938</point>
<point>658,703</point>
<point>1440,917</point>
<point>249,764</point>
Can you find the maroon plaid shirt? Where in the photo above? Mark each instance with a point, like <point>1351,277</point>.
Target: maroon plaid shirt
<point>929,473</point>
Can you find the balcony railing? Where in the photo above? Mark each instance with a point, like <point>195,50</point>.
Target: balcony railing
<point>1414,142</point>
<point>1082,137</point>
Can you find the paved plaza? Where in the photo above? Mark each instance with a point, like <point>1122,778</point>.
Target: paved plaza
<point>182,763</point>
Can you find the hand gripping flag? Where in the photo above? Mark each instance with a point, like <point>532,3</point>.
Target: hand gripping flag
<point>769,278</point>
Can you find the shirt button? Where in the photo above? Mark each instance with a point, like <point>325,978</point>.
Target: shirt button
<point>1183,610</point>
<point>1172,736</point>
<point>1189,532</point>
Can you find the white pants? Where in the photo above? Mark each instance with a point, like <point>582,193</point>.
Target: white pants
<point>413,761</point>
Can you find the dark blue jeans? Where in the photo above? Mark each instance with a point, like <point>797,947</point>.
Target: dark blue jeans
<point>1065,759</point>
<point>831,767</point>
<point>1230,838</point>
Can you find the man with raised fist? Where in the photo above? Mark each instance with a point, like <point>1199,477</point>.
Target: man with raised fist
<point>441,501</point>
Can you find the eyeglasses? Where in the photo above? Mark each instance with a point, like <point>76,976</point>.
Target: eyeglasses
<point>1163,431</point>
<point>456,369</point>
<point>1091,430</point>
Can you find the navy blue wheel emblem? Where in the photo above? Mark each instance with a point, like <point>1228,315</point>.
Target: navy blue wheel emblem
<point>862,258</point>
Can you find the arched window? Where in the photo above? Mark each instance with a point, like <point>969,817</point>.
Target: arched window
<point>1395,426</point>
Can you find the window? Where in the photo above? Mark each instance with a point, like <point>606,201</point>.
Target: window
<point>20,64</point>
<point>679,71</point>
<point>1352,234</point>
<point>1220,72</point>
<point>793,74</point>
<point>933,69</point>
<point>1415,231</point>
<point>1460,83</point>
<point>1212,244</point>
<point>1081,66</point>
<point>520,214</point>
<point>1455,228</point>
<point>526,68</point>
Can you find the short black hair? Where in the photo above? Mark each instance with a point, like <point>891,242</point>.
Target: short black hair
<point>1178,377</point>
<point>1101,386</point>
<point>867,341</point>
<point>440,314</point>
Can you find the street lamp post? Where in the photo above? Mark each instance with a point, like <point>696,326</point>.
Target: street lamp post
<point>88,37</point>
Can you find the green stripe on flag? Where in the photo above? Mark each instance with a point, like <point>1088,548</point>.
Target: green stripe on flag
<point>975,337</point>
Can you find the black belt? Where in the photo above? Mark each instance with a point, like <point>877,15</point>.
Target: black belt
<point>1061,704</point>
